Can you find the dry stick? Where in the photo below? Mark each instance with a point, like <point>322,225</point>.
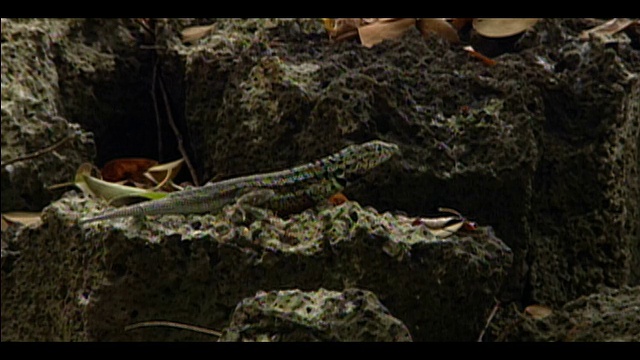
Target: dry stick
<point>173,325</point>
<point>155,107</point>
<point>39,152</point>
<point>489,319</point>
<point>177,132</point>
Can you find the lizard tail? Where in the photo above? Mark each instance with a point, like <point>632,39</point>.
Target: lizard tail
<point>131,210</point>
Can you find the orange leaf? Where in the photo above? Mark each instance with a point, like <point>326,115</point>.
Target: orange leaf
<point>338,199</point>
<point>127,169</point>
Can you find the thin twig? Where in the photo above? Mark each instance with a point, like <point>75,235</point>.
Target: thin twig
<point>173,325</point>
<point>155,108</point>
<point>489,319</point>
<point>144,25</point>
<point>61,185</point>
<point>177,132</point>
<point>39,152</point>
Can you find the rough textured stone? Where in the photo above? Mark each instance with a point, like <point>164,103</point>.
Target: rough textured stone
<point>544,146</point>
<point>586,217</point>
<point>608,315</point>
<point>32,119</point>
<point>294,315</point>
<point>69,283</point>
<point>527,146</point>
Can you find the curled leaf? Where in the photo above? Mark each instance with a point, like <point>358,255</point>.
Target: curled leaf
<point>95,187</point>
<point>502,27</point>
<point>83,171</point>
<point>164,173</point>
<point>446,231</point>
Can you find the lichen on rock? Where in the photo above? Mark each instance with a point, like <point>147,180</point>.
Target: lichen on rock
<point>322,315</point>
<point>194,269</point>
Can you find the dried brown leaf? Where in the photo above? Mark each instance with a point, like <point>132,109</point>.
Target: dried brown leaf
<point>609,28</point>
<point>440,27</point>
<point>126,169</point>
<point>338,199</point>
<point>538,311</point>
<point>193,33</point>
<point>24,218</point>
<point>460,23</point>
<point>502,27</point>
<point>375,33</point>
<point>342,28</point>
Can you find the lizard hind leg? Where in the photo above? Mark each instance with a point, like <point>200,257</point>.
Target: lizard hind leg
<point>251,202</point>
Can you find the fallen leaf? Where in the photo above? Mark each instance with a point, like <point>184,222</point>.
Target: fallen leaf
<point>84,170</point>
<point>608,28</point>
<point>193,33</point>
<point>342,28</point>
<point>164,173</point>
<point>486,60</point>
<point>538,311</point>
<point>126,169</point>
<point>328,24</point>
<point>109,191</point>
<point>446,231</point>
<point>440,27</point>
<point>375,33</point>
<point>24,218</point>
<point>502,27</point>
<point>338,199</point>
<point>460,23</point>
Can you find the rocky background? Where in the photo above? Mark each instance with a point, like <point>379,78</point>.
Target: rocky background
<point>542,150</point>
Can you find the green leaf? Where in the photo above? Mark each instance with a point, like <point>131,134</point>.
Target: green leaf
<point>95,187</point>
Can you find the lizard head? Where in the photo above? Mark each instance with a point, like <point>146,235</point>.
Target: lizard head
<point>357,160</point>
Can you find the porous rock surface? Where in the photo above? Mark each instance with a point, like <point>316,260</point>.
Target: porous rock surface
<point>607,315</point>
<point>65,282</point>
<point>294,315</point>
<point>544,146</point>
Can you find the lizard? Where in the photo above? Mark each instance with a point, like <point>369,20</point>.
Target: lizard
<point>285,191</point>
